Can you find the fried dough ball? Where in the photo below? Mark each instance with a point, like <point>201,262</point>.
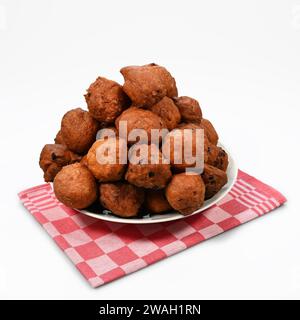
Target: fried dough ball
<point>156,201</point>
<point>217,157</point>
<point>79,129</point>
<point>53,158</point>
<point>59,138</point>
<point>146,85</point>
<point>148,169</point>
<point>189,109</point>
<point>186,192</point>
<point>106,100</point>
<point>210,131</point>
<point>168,111</point>
<point>122,199</point>
<point>137,118</point>
<point>75,186</point>
<point>104,159</point>
<point>175,143</point>
<point>214,180</point>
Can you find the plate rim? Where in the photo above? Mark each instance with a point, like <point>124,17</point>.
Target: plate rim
<point>176,216</point>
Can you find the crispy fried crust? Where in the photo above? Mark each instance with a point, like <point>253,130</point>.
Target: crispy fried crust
<point>186,192</point>
<point>122,199</point>
<point>146,85</point>
<point>59,138</point>
<point>79,130</point>
<point>53,158</point>
<point>214,180</point>
<point>106,100</point>
<point>156,201</point>
<point>189,109</point>
<point>75,186</point>
<point>168,111</point>
<point>146,173</point>
<point>217,157</point>
<point>210,131</point>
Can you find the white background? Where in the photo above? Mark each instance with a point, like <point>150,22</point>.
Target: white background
<point>240,59</point>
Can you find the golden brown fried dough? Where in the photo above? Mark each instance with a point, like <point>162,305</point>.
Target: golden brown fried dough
<point>189,109</point>
<point>79,129</point>
<point>110,152</point>
<point>210,131</point>
<point>186,192</point>
<point>214,180</point>
<point>137,118</point>
<point>167,110</point>
<point>149,171</point>
<point>122,199</point>
<point>173,150</point>
<point>146,85</point>
<point>59,138</point>
<point>75,186</point>
<point>217,157</point>
<point>156,201</point>
<point>106,100</point>
<point>53,158</point>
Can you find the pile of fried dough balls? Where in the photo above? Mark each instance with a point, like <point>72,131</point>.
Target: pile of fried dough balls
<point>148,99</point>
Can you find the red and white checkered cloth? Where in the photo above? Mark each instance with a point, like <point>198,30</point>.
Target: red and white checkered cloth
<point>104,251</point>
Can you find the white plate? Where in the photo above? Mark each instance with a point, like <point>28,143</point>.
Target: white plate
<point>232,172</point>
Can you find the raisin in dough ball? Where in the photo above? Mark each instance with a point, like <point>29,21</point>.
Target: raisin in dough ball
<point>75,186</point>
<point>173,150</point>
<point>189,109</point>
<point>106,100</point>
<point>53,158</point>
<point>156,201</point>
<point>78,130</point>
<point>122,199</point>
<point>150,171</point>
<point>217,157</point>
<point>168,111</point>
<point>136,118</point>
<point>186,192</point>
<point>146,85</point>
<point>104,159</point>
<point>214,180</point>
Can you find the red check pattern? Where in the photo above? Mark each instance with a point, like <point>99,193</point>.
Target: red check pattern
<point>104,251</point>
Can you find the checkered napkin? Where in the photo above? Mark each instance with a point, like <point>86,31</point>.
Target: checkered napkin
<point>104,251</point>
